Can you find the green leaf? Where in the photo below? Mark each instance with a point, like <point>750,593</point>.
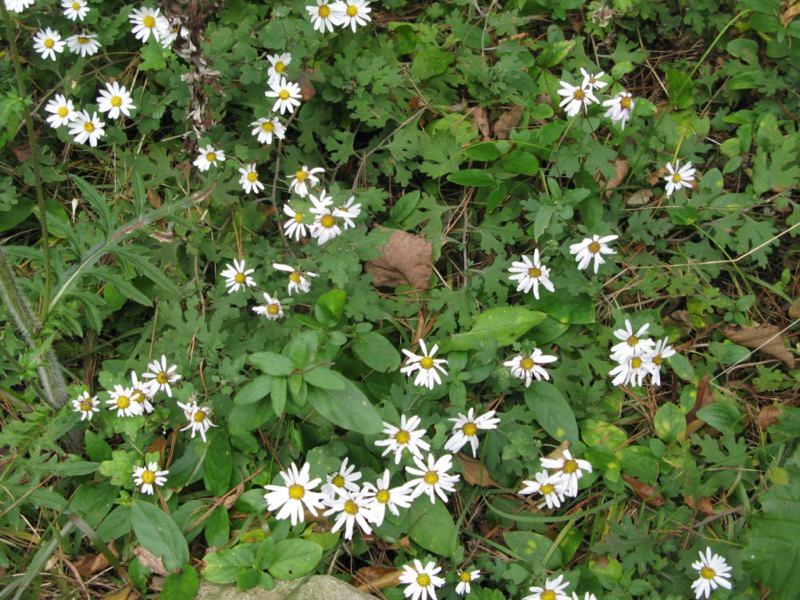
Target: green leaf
<point>152,57</point>
<point>295,559</point>
<point>669,422</point>
<point>179,586</point>
<point>552,411</point>
<point>96,447</point>
<point>521,162</point>
<point>323,377</point>
<point>429,62</point>
<point>533,548</point>
<point>119,468</point>
<point>278,395</point>
<point>682,367</point>
<point>472,178</point>
<point>273,364</point>
<point>329,308</point>
<point>504,324</point>
<point>405,206</point>
<point>722,415</point>
<point>596,432</point>
<point>348,408</point>
<point>553,53</point>
<point>217,528</point>
<point>157,532</point>
<point>483,151</point>
<point>254,391</point>
<point>679,89</point>
<point>228,566</point>
<point>431,525</point>
<point>377,352</point>
<point>218,465</point>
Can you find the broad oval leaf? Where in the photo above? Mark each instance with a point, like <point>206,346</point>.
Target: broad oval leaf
<point>533,548</point>
<point>348,408</point>
<point>669,422</point>
<point>295,559</point>
<point>504,324</point>
<point>552,411</point>
<point>472,178</point>
<point>377,352</point>
<point>431,525</point>
<point>157,532</point>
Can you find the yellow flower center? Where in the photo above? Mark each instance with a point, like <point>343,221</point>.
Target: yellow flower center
<point>382,496</point>
<point>338,481</point>
<point>707,573</point>
<point>593,247</point>
<point>116,101</point>
<point>88,127</point>
<point>49,43</point>
<point>268,126</point>
<point>547,488</point>
<point>123,402</point>
<point>273,309</point>
<point>534,272</point>
<point>431,477</point>
<point>657,360</point>
<point>570,466</point>
<point>526,364</point>
<point>676,178</point>
<point>252,176</point>
<point>324,11</point>
<point>298,217</point>
<point>625,102</point>
<point>426,362</point>
<point>86,405</point>
<point>578,95</point>
<point>279,67</point>
<point>240,278</point>
<point>83,40</point>
<point>466,577</point>
<point>351,508</point>
<point>138,396</point>
<point>283,94</point>
<point>328,221</point>
<point>633,340</point>
<point>211,156</point>
<point>63,111</point>
<point>422,579</point>
<point>149,22</point>
<point>199,416</point>
<point>76,6</point>
<point>162,378</point>
<point>148,476</point>
<point>636,362</point>
<point>294,277</point>
<point>301,176</point>
<point>296,492</point>
<point>402,437</point>
<point>548,595</point>
<point>469,429</point>
<point>352,11</point>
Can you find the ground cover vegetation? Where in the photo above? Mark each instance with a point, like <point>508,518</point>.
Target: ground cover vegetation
<point>495,299</point>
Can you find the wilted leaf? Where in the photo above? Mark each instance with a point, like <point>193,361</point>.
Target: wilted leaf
<point>404,260</point>
<point>507,121</point>
<point>150,560</point>
<point>794,309</point>
<point>768,415</point>
<point>370,579</point>
<point>766,338</point>
<point>645,491</point>
<point>790,10</point>
<point>704,506</point>
<point>474,472</point>
<point>703,398</point>
<point>482,121</point>
<point>639,198</point>
<point>622,168</point>
<point>94,563</point>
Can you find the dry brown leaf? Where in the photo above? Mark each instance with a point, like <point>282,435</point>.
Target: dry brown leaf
<point>482,121</point>
<point>645,491</point>
<point>703,398</point>
<point>639,198</point>
<point>94,563</point>
<point>508,121</point>
<point>681,319</point>
<point>474,472</point>
<point>307,89</point>
<point>790,11</point>
<point>765,338</point>
<point>153,198</point>
<point>704,506</point>
<point>768,415</point>
<point>621,169</point>
<point>794,309</point>
<point>126,593</point>
<point>150,561</point>
<point>370,579</point>
<point>232,496</point>
<point>404,260</point>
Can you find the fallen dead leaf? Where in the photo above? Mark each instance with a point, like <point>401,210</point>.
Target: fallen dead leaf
<point>639,198</point>
<point>232,496</point>
<point>404,260</point>
<point>681,319</point>
<point>153,198</point>
<point>150,561</point>
<point>794,309</point>
<point>645,491</point>
<point>765,338</point>
<point>482,121</point>
<point>94,563</point>
<point>790,11</point>
<point>768,415</point>
<point>703,398</point>
<point>621,169</point>
<point>307,89</point>
<point>507,122</point>
<point>370,579</point>
<point>474,472</point>
<point>704,506</point>
<point>126,593</point>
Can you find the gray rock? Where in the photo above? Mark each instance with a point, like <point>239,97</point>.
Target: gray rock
<point>317,587</point>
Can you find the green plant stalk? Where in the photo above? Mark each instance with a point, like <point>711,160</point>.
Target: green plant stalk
<point>55,388</point>
<point>37,168</point>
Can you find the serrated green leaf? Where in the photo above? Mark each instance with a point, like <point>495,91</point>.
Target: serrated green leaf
<point>157,532</point>
<point>119,468</point>
<point>553,53</point>
<point>504,324</point>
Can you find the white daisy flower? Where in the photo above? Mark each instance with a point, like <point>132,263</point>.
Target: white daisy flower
<point>465,578</point>
<point>656,356</point>
<point>352,507</point>
<point>526,367</point>
<point>161,376</point>
<point>199,422</point>
<point>592,82</point>
<point>208,156</point>
<point>433,478</point>
<point>169,31</point>
<point>86,127</point>
<point>237,276</point>
<point>465,430</point>
<point>249,179</point>
<point>325,226</point>
<point>324,16</point>
<point>295,495</point>
<point>85,44</point>
<point>422,581</point>
<point>405,437</point>
<point>632,344</point>
<point>713,572</point>
<point>576,98</point>
<point>295,225</point>
<point>570,470</point>
<point>381,497</point>
<point>586,596</point>
<point>149,476</point>
<point>115,99</point>
<point>551,487</point>
<point>147,21</point>
<point>592,248</point>
<point>426,366</point>
<point>348,212</point>
<point>61,110</point>
<point>287,95</point>
<point>140,394</point>
<point>48,43</point>
<point>632,370</point>
<point>303,178</point>
<point>75,10</point>
<point>552,590</point>
<point>86,405</point>
<point>278,64</point>
<point>679,177</point>
<point>620,108</point>
<point>121,402</point>
<point>343,480</point>
<point>264,129</point>
<point>272,309</point>
<point>297,279</point>
<point>352,13</point>
<point>531,274</point>
<point>17,6</point>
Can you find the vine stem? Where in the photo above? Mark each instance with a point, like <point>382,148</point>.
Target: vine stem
<point>34,146</point>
